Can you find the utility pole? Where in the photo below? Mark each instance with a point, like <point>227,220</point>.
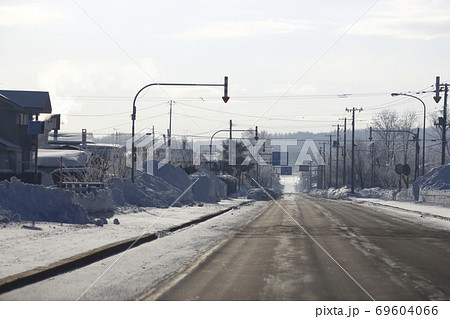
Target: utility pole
<point>372,145</point>
<point>345,151</point>
<point>323,166</point>
<point>443,120</point>
<point>337,156</point>
<point>153,143</point>
<point>353,145</point>
<point>416,169</point>
<point>444,125</point>
<point>169,132</point>
<point>331,144</point>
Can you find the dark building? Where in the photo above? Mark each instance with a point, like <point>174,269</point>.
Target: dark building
<point>17,109</point>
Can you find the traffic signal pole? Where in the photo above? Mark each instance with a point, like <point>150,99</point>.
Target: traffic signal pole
<point>225,98</point>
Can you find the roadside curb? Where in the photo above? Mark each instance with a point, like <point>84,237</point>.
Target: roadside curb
<point>83,259</point>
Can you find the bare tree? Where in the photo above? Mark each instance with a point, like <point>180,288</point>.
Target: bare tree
<point>393,136</point>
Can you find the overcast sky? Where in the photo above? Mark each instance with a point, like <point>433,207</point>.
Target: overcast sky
<point>292,65</point>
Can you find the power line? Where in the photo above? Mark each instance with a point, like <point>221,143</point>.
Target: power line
<point>118,98</point>
<point>111,114</point>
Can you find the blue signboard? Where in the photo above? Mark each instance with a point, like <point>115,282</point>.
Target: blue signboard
<point>35,127</point>
<point>276,157</point>
<point>286,170</point>
<point>280,158</point>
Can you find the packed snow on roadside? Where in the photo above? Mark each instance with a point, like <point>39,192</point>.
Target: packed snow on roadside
<point>429,195</point>
<point>208,187</point>
<point>26,202</point>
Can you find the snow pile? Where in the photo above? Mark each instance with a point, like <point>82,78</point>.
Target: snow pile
<point>38,203</point>
<point>377,192</point>
<point>436,179</point>
<point>96,201</point>
<point>147,191</point>
<point>161,189</point>
<point>209,188</point>
<point>432,188</point>
<point>263,194</point>
<point>175,176</point>
<point>332,193</point>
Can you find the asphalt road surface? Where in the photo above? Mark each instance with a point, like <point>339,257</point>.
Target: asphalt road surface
<point>334,250</point>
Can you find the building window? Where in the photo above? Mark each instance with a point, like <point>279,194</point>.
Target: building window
<point>22,119</point>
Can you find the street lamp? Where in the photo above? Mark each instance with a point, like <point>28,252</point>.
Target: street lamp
<point>225,98</point>
<point>424,125</point>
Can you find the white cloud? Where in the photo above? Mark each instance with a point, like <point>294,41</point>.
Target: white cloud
<point>412,19</point>
<point>27,15</point>
<point>90,78</point>
<point>235,29</point>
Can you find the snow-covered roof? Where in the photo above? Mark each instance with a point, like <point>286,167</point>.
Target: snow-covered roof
<point>36,101</point>
<point>70,158</point>
<point>70,138</point>
<point>9,145</point>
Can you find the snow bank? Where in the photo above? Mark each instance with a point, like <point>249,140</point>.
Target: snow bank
<point>19,201</point>
<point>263,194</point>
<point>172,174</point>
<point>209,188</point>
<point>377,192</point>
<point>147,191</point>
<point>161,189</point>
<point>38,203</point>
<point>97,201</point>
<point>333,193</point>
<point>436,179</point>
<point>432,188</point>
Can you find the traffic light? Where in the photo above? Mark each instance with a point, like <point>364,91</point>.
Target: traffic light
<point>225,96</point>
<point>256,133</point>
<point>437,98</point>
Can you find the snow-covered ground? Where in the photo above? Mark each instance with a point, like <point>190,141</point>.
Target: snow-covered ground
<point>131,274</point>
<point>428,197</point>
<point>24,247</point>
